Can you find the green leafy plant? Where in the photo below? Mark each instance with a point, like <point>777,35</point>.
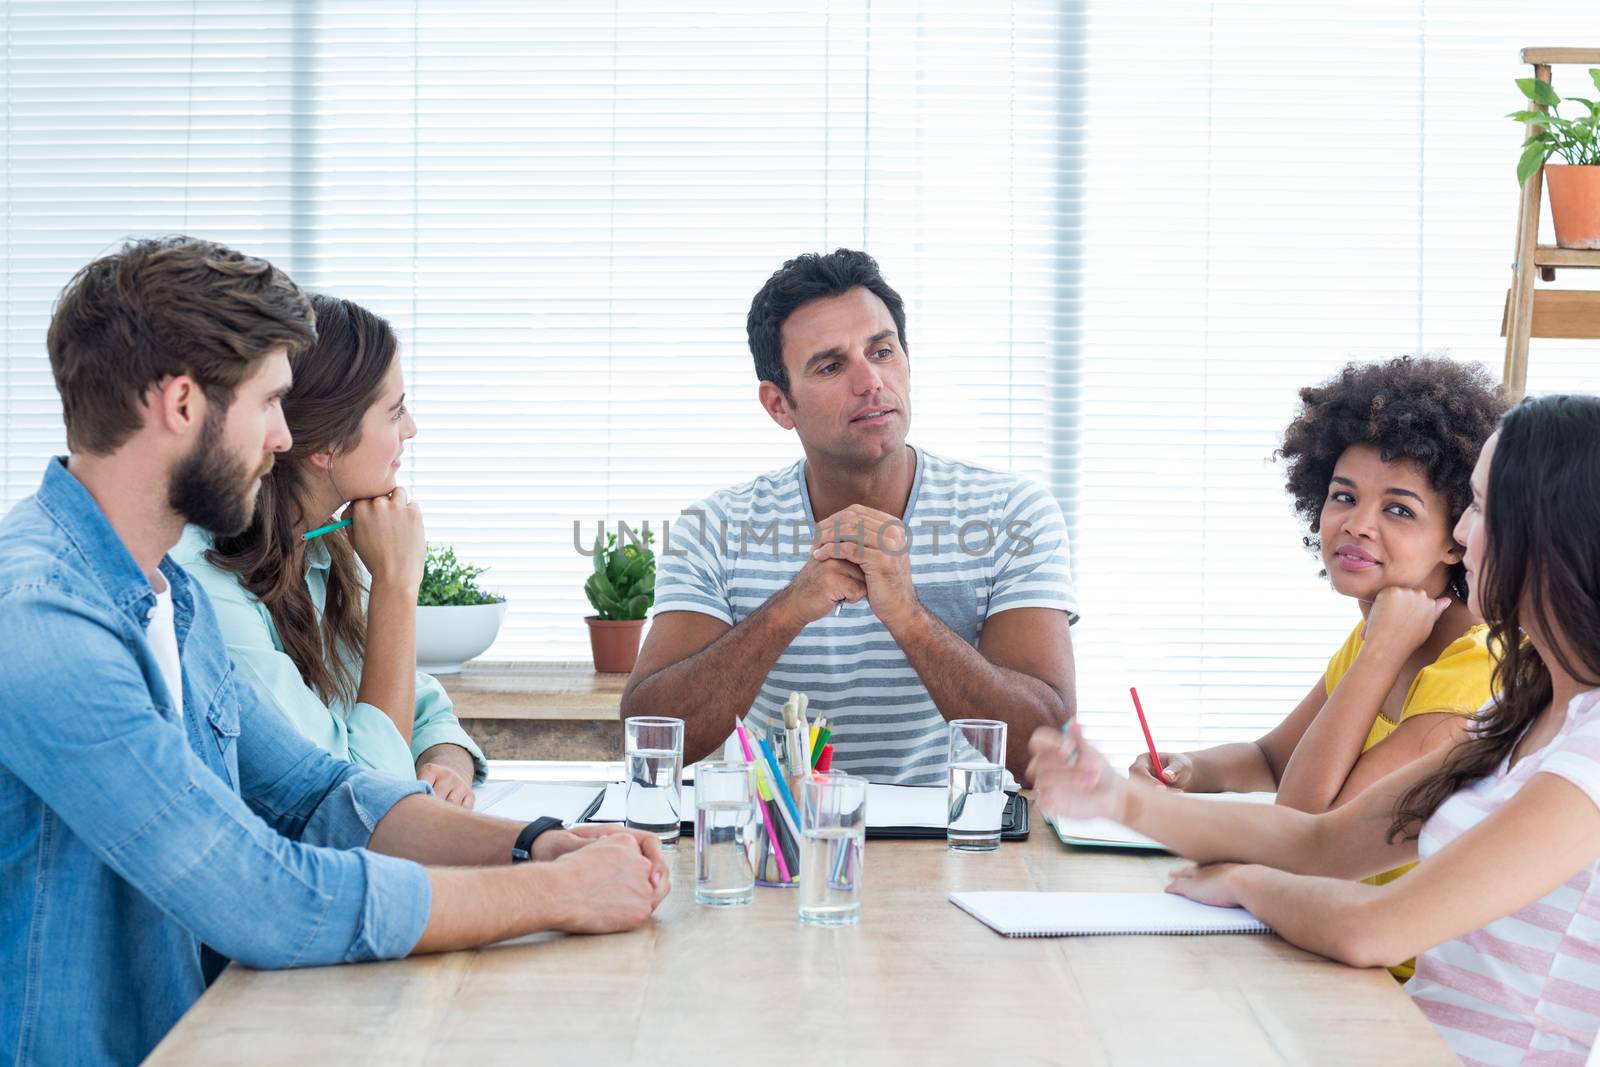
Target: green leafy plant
<point>623,585</point>
<point>1575,140</point>
<point>449,583</point>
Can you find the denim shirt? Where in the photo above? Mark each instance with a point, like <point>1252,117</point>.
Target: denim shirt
<point>131,834</point>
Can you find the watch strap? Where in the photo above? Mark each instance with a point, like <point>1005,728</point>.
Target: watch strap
<point>522,851</point>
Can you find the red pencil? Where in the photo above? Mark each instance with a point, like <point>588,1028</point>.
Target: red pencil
<point>1155,760</point>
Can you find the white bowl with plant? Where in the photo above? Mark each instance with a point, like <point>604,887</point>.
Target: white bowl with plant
<point>456,620</point>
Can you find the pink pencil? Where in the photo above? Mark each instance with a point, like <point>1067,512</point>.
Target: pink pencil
<point>766,816</point>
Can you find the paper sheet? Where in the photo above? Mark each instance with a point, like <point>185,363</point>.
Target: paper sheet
<point>527,801</point>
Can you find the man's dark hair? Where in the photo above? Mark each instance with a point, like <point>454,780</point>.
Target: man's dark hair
<point>807,277</point>
<point>159,308</point>
<point>1434,412</point>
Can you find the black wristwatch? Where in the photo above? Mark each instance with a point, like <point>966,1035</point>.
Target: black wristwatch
<point>522,851</point>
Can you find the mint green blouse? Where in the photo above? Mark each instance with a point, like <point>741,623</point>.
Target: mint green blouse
<point>359,733</point>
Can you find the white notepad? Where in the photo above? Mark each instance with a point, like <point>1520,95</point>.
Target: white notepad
<point>1069,914</point>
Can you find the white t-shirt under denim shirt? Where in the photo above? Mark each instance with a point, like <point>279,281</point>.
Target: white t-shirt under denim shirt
<point>1526,987</point>
<point>981,542</point>
<point>161,631</point>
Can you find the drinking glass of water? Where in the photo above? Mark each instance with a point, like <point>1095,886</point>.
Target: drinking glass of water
<point>654,748</point>
<point>833,831</point>
<point>724,816</point>
<point>977,780</point>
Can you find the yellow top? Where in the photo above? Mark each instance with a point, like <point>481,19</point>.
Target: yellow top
<point>1457,683</point>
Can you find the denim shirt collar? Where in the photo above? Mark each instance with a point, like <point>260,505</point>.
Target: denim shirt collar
<point>76,512</point>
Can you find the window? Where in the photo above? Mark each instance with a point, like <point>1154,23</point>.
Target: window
<point>1126,232</point>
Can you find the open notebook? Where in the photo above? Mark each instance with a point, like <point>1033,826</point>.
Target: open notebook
<point>1064,914</point>
<point>1103,833</point>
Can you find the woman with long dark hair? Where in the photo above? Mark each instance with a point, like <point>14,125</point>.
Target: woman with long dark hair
<point>326,629</point>
<point>1503,911</point>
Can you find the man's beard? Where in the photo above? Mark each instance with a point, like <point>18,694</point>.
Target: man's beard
<point>211,488</point>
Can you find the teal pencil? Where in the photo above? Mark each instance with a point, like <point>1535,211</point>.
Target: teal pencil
<point>320,530</point>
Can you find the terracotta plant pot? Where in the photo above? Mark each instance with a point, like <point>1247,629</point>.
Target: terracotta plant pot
<point>1574,204</point>
<point>614,642</point>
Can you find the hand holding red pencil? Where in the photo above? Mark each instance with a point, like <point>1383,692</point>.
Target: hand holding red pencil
<point>1177,770</point>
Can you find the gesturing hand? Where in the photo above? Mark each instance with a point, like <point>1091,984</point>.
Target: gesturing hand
<point>1084,787</point>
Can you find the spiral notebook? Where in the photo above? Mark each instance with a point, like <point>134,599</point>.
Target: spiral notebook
<point>1074,914</point>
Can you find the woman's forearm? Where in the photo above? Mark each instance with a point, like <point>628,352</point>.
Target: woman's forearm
<point>1329,916</point>
<point>1240,767</point>
<point>1209,831</point>
<point>389,671</point>
<point>1322,761</point>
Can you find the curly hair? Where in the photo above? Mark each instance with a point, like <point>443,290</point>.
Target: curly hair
<point>1435,412</point>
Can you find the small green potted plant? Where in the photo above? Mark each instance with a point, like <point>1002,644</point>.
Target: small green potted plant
<point>1574,185</point>
<point>456,620</point>
<point>621,587</point>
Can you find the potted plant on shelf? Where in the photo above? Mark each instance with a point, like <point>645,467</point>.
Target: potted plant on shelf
<point>622,587</point>
<point>455,619</point>
<point>1574,185</point>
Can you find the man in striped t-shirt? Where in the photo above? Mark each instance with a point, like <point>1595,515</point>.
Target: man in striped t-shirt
<point>895,588</point>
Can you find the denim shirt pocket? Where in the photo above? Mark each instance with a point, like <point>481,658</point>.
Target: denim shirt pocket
<point>222,714</point>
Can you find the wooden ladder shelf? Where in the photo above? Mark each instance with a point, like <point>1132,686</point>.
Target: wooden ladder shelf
<point>1531,311</point>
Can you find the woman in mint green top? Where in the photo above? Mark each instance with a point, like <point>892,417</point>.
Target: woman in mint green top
<point>326,629</point>
<point>357,732</point>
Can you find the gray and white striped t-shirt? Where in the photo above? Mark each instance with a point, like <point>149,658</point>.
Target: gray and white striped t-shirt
<point>981,542</point>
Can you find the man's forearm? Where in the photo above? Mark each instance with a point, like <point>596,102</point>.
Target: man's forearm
<point>478,907</point>
<point>964,684</point>
<point>431,832</point>
<point>709,689</point>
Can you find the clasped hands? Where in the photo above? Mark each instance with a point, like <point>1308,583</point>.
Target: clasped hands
<point>858,553</point>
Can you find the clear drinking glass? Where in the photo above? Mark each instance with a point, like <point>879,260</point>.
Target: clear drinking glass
<point>977,783</point>
<point>724,813</point>
<point>833,831</point>
<point>654,749</point>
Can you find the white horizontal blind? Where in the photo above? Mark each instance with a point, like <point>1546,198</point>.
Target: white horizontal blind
<point>127,119</point>
<point>1270,191</point>
<point>566,209</point>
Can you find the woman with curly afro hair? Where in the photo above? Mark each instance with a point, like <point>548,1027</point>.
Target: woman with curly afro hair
<point>1379,465</point>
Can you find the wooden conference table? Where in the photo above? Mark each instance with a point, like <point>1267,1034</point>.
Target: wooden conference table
<point>918,981</point>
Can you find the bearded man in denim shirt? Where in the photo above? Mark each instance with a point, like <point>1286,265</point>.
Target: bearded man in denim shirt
<point>151,805</point>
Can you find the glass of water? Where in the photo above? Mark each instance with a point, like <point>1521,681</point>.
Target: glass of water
<point>654,748</point>
<point>833,831</point>
<point>724,814</point>
<point>977,780</point>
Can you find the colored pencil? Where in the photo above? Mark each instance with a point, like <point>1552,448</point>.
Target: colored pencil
<point>310,535</point>
<point>819,746</point>
<point>1155,760</point>
<point>766,815</point>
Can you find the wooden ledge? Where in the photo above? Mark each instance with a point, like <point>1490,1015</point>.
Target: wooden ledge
<point>539,711</point>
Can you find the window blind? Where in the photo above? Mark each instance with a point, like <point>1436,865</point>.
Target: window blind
<point>566,209</point>
<point>1127,232</point>
<point>1270,191</point>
